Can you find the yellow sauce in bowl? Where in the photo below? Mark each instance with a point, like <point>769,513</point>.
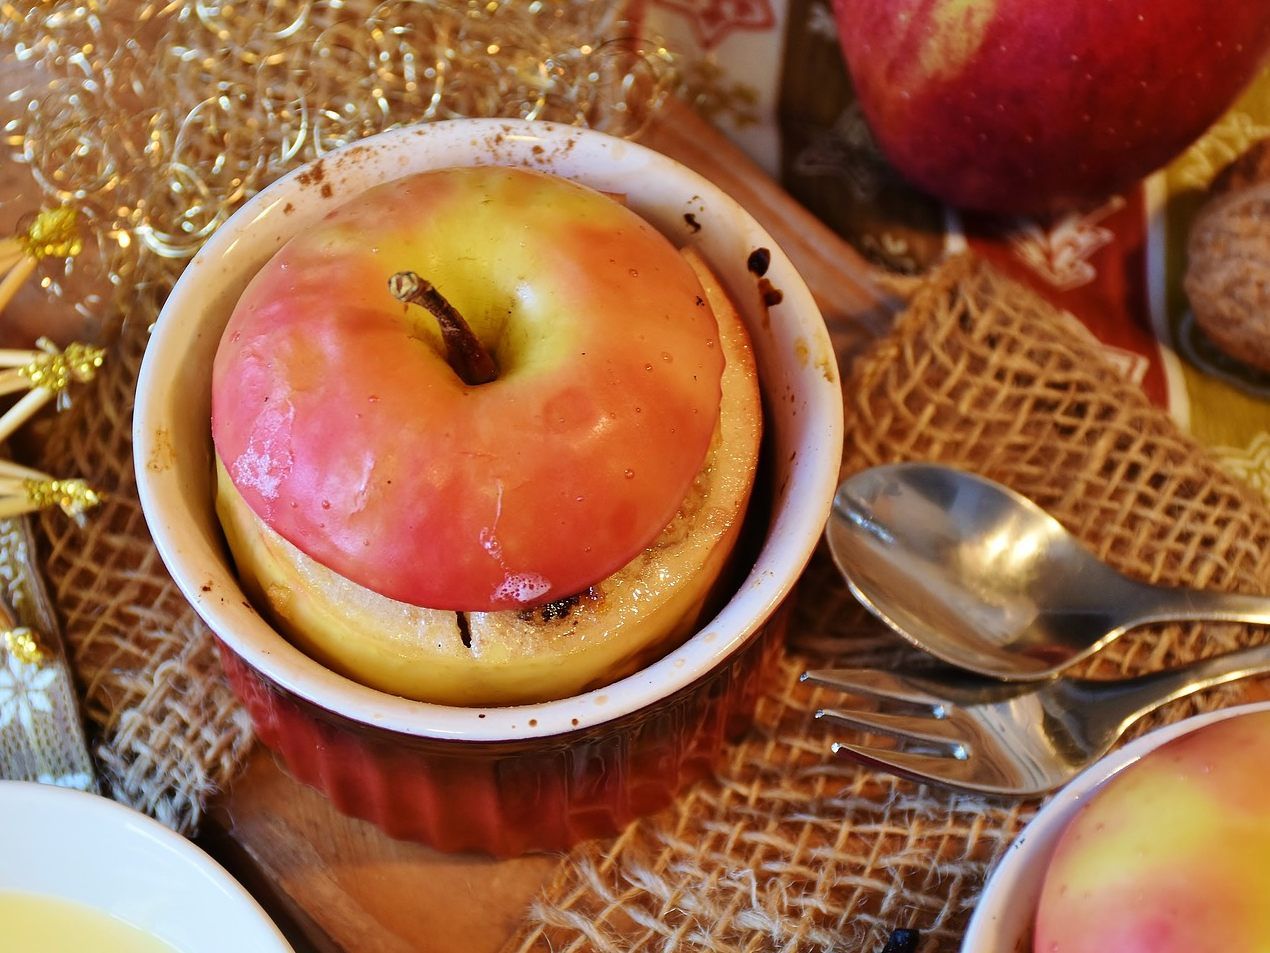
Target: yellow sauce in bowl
<point>32,923</point>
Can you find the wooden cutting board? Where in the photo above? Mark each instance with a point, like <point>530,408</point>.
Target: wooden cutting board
<point>336,884</point>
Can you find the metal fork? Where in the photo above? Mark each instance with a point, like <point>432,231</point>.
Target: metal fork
<point>1011,739</point>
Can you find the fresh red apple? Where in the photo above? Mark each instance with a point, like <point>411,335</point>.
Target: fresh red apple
<point>341,416</point>
<point>1170,856</point>
<point>516,656</point>
<point>1023,106</point>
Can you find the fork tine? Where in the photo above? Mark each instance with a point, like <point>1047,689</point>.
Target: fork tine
<point>905,727</point>
<point>871,681</point>
<point>950,772</point>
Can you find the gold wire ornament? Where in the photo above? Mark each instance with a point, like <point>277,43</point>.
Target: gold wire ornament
<point>53,233</point>
<point>45,373</point>
<point>158,143</point>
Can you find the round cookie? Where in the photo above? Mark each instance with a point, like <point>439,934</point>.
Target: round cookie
<point>1228,261</point>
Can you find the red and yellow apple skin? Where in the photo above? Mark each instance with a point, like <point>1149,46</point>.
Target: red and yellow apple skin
<point>1023,106</point>
<point>616,627</point>
<point>345,430</point>
<point>1171,855</point>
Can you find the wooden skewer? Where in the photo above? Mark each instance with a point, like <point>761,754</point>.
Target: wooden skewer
<point>18,472</point>
<point>23,411</point>
<point>12,357</point>
<point>11,252</point>
<point>11,383</point>
<point>16,506</point>
<point>13,280</point>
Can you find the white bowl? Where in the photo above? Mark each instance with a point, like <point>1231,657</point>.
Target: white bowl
<point>1003,919</point>
<point>99,854</point>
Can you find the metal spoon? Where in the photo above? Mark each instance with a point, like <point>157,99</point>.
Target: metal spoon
<point>983,578</point>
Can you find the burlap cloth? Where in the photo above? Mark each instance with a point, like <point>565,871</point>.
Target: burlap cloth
<point>788,849</point>
<point>791,848</point>
<point>167,731</point>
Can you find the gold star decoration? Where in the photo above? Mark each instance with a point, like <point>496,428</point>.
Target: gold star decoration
<point>23,644</point>
<point>51,233</point>
<point>44,373</point>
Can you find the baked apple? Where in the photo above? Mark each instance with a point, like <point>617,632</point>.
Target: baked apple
<point>1169,856</point>
<point>521,483</point>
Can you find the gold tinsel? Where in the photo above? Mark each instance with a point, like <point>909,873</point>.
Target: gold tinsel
<point>54,369</point>
<point>74,497</point>
<point>158,119</point>
<point>51,233</point>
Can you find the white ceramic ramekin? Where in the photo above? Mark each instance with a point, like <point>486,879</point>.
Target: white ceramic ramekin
<point>447,775</point>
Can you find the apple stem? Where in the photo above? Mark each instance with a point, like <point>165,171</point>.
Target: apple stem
<point>463,349</point>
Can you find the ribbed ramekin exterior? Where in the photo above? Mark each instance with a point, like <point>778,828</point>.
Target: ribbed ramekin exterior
<point>512,797</point>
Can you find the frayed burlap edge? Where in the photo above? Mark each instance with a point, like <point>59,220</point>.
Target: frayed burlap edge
<point>790,848</point>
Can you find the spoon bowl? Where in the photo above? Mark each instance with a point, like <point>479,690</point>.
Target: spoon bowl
<point>983,578</point>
